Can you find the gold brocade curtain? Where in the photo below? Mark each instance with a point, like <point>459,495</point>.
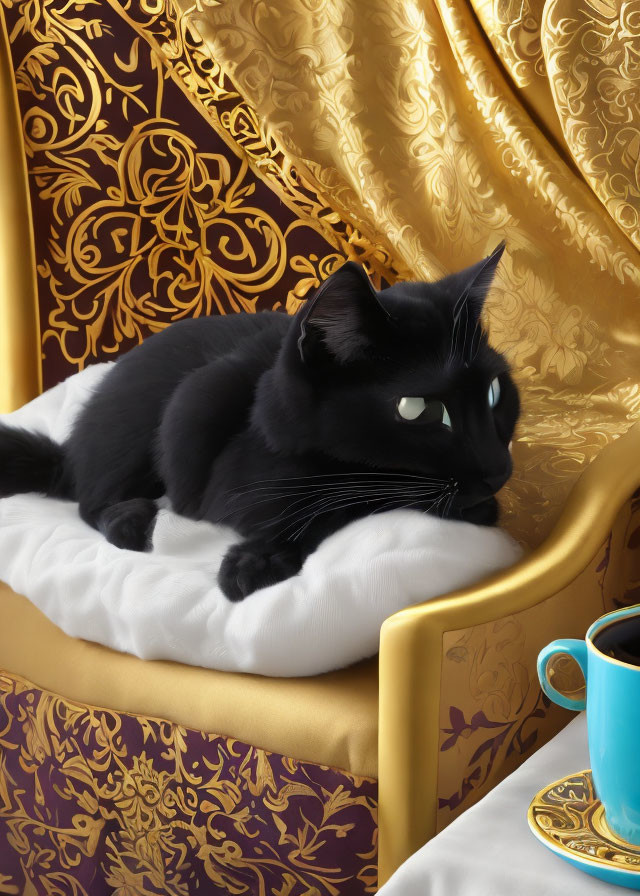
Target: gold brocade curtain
<point>439,128</point>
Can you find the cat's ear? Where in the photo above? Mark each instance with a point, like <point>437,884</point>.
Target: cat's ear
<point>470,286</point>
<point>344,319</point>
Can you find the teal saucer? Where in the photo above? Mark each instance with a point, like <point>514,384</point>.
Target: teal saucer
<point>568,818</point>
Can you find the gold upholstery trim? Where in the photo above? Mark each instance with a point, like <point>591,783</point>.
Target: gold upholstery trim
<point>20,374</point>
<point>329,719</point>
<point>411,646</point>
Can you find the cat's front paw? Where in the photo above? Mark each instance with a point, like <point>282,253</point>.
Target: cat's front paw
<point>129,524</point>
<point>251,565</point>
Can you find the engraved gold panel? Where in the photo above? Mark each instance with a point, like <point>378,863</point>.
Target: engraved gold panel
<point>326,719</point>
<point>169,27</point>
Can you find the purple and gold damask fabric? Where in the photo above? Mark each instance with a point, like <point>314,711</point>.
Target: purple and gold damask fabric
<point>94,802</point>
<point>146,208</point>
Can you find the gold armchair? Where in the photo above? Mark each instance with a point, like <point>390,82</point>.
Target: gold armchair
<point>149,775</point>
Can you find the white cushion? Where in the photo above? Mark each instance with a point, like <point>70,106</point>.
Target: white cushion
<point>166,604</point>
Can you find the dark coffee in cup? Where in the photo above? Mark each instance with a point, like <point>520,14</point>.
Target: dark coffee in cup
<point>620,640</point>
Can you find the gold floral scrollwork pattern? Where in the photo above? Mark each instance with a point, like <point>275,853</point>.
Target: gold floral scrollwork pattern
<point>100,803</point>
<point>171,27</point>
<point>592,50</point>
<point>500,717</point>
<point>146,210</point>
<point>186,201</point>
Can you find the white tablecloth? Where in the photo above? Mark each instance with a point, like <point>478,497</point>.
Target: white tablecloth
<point>490,851</point>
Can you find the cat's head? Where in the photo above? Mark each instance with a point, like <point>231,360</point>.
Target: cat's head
<point>401,380</point>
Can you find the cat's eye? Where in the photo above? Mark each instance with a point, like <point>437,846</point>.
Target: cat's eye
<point>411,408</point>
<point>414,407</point>
<point>494,392</point>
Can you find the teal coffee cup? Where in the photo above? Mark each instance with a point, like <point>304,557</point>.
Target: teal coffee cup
<point>610,661</point>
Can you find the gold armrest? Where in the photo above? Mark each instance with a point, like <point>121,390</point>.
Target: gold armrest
<point>20,374</point>
<point>414,643</point>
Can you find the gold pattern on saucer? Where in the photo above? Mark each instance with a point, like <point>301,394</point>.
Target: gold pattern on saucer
<point>568,817</point>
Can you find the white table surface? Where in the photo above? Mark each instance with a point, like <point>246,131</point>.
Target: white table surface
<point>490,851</point>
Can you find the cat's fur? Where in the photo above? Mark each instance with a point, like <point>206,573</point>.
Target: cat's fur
<point>286,428</point>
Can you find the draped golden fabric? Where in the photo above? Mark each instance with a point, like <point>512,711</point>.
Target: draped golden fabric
<point>438,139</point>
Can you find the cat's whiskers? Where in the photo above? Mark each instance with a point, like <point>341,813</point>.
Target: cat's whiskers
<point>442,510</point>
<point>333,503</point>
<point>275,491</point>
<point>318,492</point>
<point>270,493</point>
<point>335,478</point>
<point>368,495</point>
<point>388,505</point>
<point>337,506</point>
<point>403,506</point>
<point>325,504</point>
<point>306,498</point>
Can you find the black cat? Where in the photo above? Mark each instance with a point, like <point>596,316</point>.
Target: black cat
<point>286,428</point>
